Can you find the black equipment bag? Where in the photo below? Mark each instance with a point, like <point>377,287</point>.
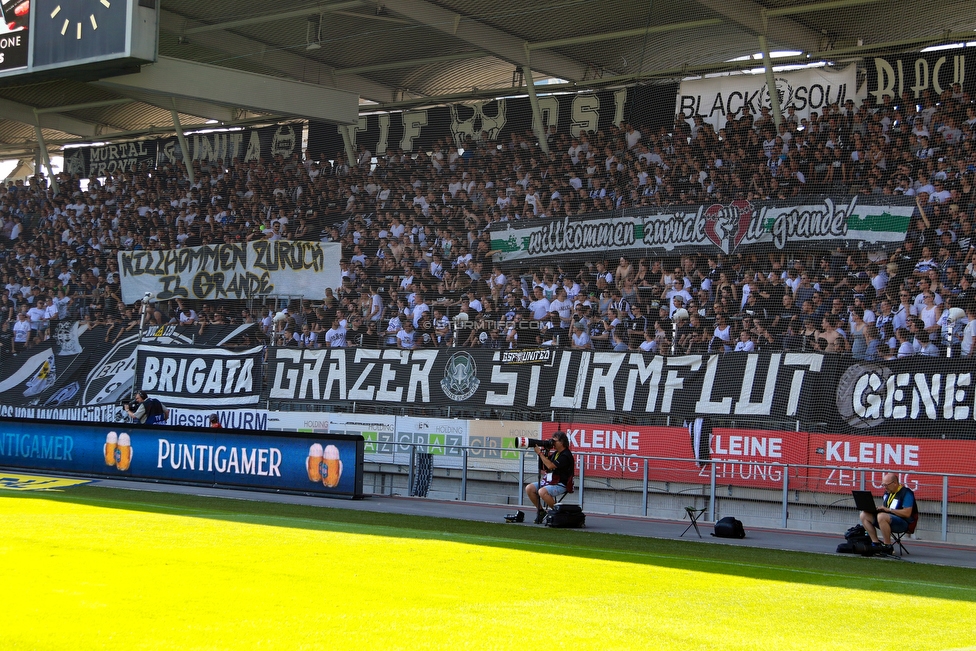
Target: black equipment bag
<point>857,542</point>
<point>729,528</point>
<point>567,516</point>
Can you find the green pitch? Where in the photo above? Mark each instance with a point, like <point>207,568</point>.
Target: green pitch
<point>92,568</point>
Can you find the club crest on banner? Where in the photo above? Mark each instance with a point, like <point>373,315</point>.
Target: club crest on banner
<point>42,378</point>
<point>479,121</point>
<point>460,377</point>
<point>726,226</point>
<point>783,89</point>
<point>283,141</point>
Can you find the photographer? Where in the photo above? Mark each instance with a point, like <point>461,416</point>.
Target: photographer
<point>147,411</point>
<point>557,466</point>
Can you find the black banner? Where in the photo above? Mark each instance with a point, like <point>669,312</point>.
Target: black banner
<point>201,377</point>
<point>909,396</point>
<point>920,71</point>
<point>607,384</point>
<point>120,156</point>
<point>415,130</point>
<point>246,145</point>
<point>77,368</point>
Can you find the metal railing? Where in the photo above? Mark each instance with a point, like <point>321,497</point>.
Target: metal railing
<point>954,490</point>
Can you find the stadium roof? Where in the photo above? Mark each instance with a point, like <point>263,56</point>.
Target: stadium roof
<point>399,53</point>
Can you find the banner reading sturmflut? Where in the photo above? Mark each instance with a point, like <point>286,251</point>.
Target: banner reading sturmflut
<point>858,222</point>
<point>237,271</point>
<point>717,99</point>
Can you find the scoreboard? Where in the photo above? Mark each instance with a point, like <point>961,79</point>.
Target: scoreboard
<point>41,36</point>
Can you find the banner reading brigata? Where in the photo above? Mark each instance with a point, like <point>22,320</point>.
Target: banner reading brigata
<point>718,99</point>
<point>201,376</point>
<point>214,272</point>
<point>863,223</point>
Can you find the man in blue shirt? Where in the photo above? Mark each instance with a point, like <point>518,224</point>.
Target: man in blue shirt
<point>894,516</point>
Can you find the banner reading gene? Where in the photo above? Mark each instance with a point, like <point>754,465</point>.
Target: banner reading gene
<point>213,272</point>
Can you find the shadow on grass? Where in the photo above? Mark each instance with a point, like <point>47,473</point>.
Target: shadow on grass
<point>890,576</point>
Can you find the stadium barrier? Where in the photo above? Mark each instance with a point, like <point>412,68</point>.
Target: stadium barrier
<point>330,465</point>
<point>787,496</point>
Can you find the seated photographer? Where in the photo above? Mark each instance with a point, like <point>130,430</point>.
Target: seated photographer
<point>897,510</point>
<point>148,411</point>
<point>557,467</point>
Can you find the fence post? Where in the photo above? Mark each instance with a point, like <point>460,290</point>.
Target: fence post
<point>644,500</point>
<point>464,474</point>
<point>786,493</point>
<point>945,508</point>
<point>582,466</point>
<point>410,473</point>
<point>521,491</point>
<point>711,496</point>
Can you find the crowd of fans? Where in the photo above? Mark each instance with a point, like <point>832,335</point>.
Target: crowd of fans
<point>417,265</point>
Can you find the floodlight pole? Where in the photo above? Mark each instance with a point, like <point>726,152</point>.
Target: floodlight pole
<point>770,81</point>
<point>142,334</point>
<point>537,127</point>
<point>45,159</point>
<point>187,163</point>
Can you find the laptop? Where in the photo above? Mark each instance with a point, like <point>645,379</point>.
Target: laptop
<point>864,501</point>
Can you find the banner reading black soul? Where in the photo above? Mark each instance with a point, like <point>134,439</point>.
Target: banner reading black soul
<point>326,464</point>
<point>920,71</point>
<point>857,222</point>
<point>645,106</point>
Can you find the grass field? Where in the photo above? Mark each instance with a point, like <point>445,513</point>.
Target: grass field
<point>94,568</point>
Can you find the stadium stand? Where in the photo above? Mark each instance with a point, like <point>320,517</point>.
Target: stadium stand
<point>414,231</point>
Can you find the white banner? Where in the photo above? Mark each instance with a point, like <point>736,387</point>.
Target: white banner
<point>808,90</point>
<point>235,271</point>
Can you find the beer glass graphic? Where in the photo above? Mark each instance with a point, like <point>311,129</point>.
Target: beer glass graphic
<point>314,462</point>
<point>111,443</point>
<point>124,452</point>
<point>331,467</point>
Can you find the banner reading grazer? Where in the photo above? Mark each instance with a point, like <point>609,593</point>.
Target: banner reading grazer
<point>748,385</point>
<point>854,222</point>
<point>201,376</point>
<point>717,99</point>
<point>213,272</point>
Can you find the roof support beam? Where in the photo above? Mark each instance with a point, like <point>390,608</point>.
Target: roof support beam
<point>783,31</point>
<point>393,65</point>
<point>284,61</point>
<point>267,18</point>
<point>47,120</point>
<point>495,41</point>
<point>179,78</point>
<point>629,33</point>
<point>819,6</point>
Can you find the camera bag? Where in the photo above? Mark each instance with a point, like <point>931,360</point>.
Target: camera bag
<point>566,516</point>
<point>729,528</point>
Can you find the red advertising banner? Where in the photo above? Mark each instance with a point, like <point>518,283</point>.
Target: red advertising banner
<point>906,456</point>
<point>753,448</point>
<point>751,458</point>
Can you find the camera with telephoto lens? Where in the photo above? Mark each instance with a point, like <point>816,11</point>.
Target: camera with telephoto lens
<point>526,442</point>
<point>129,404</point>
